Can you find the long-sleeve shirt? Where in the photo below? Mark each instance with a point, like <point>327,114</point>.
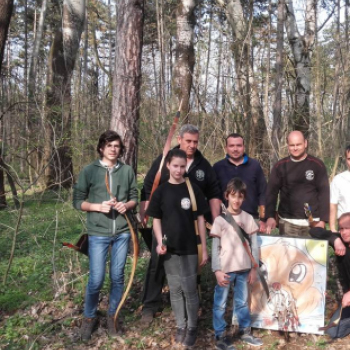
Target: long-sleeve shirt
<point>251,173</point>
<point>297,183</point>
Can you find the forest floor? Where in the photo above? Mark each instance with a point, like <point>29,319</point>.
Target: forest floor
<point>55,325</point>
<point>41,298</point>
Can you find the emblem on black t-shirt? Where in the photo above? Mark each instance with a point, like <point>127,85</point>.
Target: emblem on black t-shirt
<point>309,175</point>
<point>185,203</point>
<point>200,175</point>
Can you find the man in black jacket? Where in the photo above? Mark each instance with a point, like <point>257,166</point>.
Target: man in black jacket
<point>341,244</point>
<point>202,174</point>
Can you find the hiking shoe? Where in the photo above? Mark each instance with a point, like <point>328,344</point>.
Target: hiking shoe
<point>247,337</point>
<point>112,332</point>
<point>180,335</point>
<point>223,342</point>
<point>191,337</point>
<point>147,317</point>
<point>87,328</point>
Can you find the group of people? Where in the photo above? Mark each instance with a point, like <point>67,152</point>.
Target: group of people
<point>191,192</point>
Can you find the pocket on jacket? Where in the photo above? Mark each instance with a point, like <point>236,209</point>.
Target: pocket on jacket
<point>95,218</point>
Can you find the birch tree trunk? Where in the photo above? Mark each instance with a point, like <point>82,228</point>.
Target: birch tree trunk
<point>185,58</point>
<point>127,76</point>
<point>345,100</point>
<point>35,53</point>
<point>279,67</point>
<point>34,121</point>
<point>58,128</point>
<point>302,47</point>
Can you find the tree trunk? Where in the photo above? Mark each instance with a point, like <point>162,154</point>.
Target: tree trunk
<point>302,47</point>
<point>127,76</point>
<point>58,152</point>
<point>250,101</point>
<point>3,202</point>
<point>36,46</point>
<point>160,32</point>
<point>34,122</point>
<point>185,58</point>
<point>277,103</point>
<point>6,7</point>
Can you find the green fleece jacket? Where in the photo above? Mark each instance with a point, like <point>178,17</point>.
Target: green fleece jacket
<point>91,187</point>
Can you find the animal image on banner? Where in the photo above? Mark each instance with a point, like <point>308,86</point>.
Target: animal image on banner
<point>296,272</point>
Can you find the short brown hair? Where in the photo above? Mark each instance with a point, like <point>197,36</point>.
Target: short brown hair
<point>109,136</point>
<point>236,185</point>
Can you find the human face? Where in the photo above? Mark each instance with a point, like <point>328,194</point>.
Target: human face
<point>297,145</point>
<point>347,154</point>
<point>189,143</point>
<point>110,152</point>
<point>177,169</point>
<point>344,229</point>
<point>235,148</point>
<point>235,201</point>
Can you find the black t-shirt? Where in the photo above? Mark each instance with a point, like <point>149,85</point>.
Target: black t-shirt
<point>172,205</point>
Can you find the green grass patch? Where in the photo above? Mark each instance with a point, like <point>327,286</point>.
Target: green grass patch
<point>36,234</point>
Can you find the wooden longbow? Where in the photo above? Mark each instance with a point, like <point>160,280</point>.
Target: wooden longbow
<point>133,269</point>
<point>136,254</point>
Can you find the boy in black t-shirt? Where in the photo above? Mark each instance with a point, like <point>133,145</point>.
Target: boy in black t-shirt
<point>171,209</point>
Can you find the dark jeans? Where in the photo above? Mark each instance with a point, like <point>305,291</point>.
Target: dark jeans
<point>288,229</point>
<point>155,277</point>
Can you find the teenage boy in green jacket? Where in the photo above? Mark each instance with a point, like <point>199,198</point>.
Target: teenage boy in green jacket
<point>106,190</point>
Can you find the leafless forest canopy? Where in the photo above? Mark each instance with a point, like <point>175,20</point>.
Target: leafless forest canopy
<point>71,69</point>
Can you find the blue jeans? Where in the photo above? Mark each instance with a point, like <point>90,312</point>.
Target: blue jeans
<point>98,251</point>
<point>239,283</point>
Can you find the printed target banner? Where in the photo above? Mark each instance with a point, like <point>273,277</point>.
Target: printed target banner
<point>296,272</point>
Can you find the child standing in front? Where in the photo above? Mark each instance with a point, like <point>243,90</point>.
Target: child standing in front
<point>233,267</point>
<point>171,209</point>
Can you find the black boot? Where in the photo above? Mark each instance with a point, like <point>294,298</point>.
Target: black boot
<point>180,335</point>
<point>191,337</point>
<point>87,328</point>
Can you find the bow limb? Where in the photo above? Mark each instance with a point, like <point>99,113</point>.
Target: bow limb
<point>166,149</point>
<point>133,269</point>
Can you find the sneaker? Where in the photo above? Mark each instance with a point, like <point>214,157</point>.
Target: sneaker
<point>112,331</point>
<point>224,343</point>
<point>147,317</point>
<point>247,337</point>
<point>180,335</point>
<point>191,337</point>
<point>87,328</point>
